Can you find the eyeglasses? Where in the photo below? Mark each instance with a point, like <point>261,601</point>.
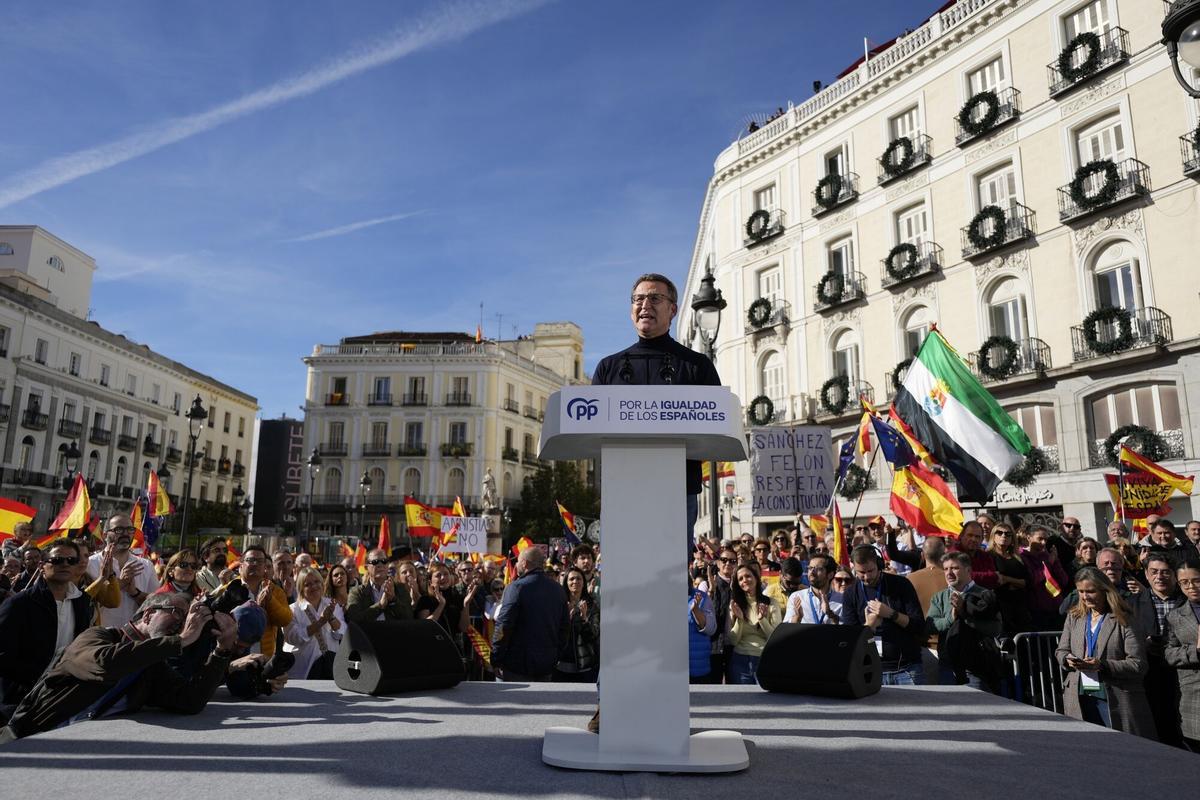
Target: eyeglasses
<point>186,565</point>
<point>1071,525</point>
<point>1189,581</point>
<point>841,580</point>
<point>177,613</point>
<point>1001,533</point>
<point>654,299</point>
<point>761,549</point>
<point>727,560</point>
<point>58,561</point>
<point>375,562</point>
<point>126,530</point>
<point>253,561</point>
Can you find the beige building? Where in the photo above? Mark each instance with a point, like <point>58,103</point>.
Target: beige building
<point>64,379</point>
<point>427,415</point>
<point>940,181</point>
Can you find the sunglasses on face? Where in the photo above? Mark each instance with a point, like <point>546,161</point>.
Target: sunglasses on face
<point>186,565</point>
<point>59,561</point>
<point>1070,524</point>
<point>841,580</point>
<point>761,549</point>
<point>375,562</point>
<point>727,560</point>
<point>126,531</point>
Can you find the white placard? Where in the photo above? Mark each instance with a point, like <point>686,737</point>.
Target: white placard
<point>470,534</point>
<point>792,470</point>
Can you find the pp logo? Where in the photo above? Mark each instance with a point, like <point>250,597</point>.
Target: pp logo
<point>580,409</point>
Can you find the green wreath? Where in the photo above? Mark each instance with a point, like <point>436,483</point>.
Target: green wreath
<point>760,411</point>
<point>759,312</point>
<point>832,403</point>
<point>902,269</point>
<point>833,183</point>
<point>831,288</point>
<point>1006,366</point>
<point>1149,443</point>
<point>898,373</point>
<point>893,166</point>
<point>996,237</point>
<point>1091,333</point>
<point>856,481</point>
<point>1086,67</point>
<point>1108,190</point>
<point>1025,473</point>
<point>990,116</point>
<point>1196,136</point>
<point>758,224</point>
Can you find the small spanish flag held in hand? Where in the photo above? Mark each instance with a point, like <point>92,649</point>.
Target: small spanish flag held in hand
<point>1051,585</point>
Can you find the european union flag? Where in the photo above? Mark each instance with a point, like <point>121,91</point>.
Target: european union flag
<point>895,448</point>
<point>845,458</point>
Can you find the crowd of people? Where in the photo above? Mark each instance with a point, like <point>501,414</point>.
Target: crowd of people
<point>85,633</point>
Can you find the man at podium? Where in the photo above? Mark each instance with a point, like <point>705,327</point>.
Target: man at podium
<point>656,359</point>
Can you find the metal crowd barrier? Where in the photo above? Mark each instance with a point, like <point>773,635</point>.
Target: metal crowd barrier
<point>1037,676</point>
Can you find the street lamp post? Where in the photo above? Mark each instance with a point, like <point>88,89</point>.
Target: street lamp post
<point>1181,35</point>
<point>364,484</point>
<point>707,304</point>
<point>314,468</point>
<point>195,417</point>
<point>71,462</point>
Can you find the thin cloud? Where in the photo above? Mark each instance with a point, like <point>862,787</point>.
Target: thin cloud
<point>444,25</point>
<point>342,230</point>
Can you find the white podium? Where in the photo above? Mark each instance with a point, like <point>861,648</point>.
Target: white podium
<point>642,435</point>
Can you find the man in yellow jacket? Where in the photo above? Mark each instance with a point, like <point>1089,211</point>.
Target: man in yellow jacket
<point>255,572</point>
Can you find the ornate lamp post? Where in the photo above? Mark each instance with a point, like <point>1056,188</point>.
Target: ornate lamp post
<point>314,468</point>
<point>1181,35</point>
<point>195,417</point>
<point>707,305</point>
<point>364,484</point>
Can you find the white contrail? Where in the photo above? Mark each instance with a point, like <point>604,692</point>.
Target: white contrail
<point>445,25</point>
<point>353,226</point>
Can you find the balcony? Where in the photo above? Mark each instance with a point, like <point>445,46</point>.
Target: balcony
<point>987,118</point>
<point>1103,188</point>
<point>1082,64</point>
<point>150,447</point>
<point>765,314</point>
<point>5,411</point>
<point>174,455</point>
<point>530,457</point>
<point>998,229</point>
<point>328,501</point>
<point>510,454</point>
<point>333,448</point>
<point>512,405</point>
<point>70,429</point>
<point>99,436</point>
<point>1098,454</point>
<point>1050,451</point>
<point>458,399</point>
<point>1148,327</point>
<point>834,191</point>
<point>415,399</point>
<point>763,226</point>
<point>902,158</point>
<point>35,420</point>
<point>239,470</point>
<point>1028,356</point>
<point>126,442</point>
<point>839,406</point>
<point>27,477</point>
<point>377,450</point>
<point>379,400</point>
<point>838,289</point>
<point>533,413</point>
<point>337,399</point>
<point>411,450</point>
<point>1189,149</point>
<point>96,489</point>
<point>456,449</point>
<point>193,460</point>
<point>224,466</point>
<point>925,258</point>
<point>208,464</point>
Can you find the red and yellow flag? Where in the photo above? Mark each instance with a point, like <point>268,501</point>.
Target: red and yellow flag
<point>158,502</point>
<point>1051,585</point>
<point>1137,461</point>
<point>138,519</point>
<point>232,554</point>
<point>12,513</point>
<point>480,645</point>
<point>724,470</point>
<point>568,519</point>
<point>360,558</point>
<point>385,534</point>
<point>76,511</point>
<point>346,550</point>
<point>924,501</point>
<point>422,520</point>
<point>900,425</point>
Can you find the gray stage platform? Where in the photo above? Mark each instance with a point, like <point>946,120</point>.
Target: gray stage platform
<point>484,740</point>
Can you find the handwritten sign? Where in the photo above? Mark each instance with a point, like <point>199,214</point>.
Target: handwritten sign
<point>792,470</point>
<point>469,534</point>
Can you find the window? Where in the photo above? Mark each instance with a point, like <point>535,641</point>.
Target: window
<point>122,464</point>
<point>990,76</point>
<point>155,393</point>
<point>527,445</point>
<point>338,388</point>
<point>1037,421</point>
<point>413,434</point>
<point>175,403</point>
<point>912,225</point>
<point>68,412</point>
<point>764,199</point>
<point>131,385</point>
<point>510,392</point>
<point>460,386</point>
<point>337,432</point>
<point>98,421</point>
<point>508,438</point>
<point>383,389</point>
<point>416,386</point>
<point>27,450</point>
<point>237,457</point>
<point>74,364</point>
<point>3,341</point>
<point>997,187</point>
<point>1116,278</point>
<point>906,123</point>
<point>172,439</point>
<point>126,426</point>
<point>1154,406</point>
<point>846,355</point>
<point>152,431</point>
<point>203,492</point>
<point>93,465</point>
<point>1007,314</point>
<point>529,399</point>
<point>770,284</point>
<point>837,162</point>
<point>241,427</point>
<point>212,415</point>
<point>916,327</point>
<point>35,401</point>
<point>1103,138</point>
<point>456,482</point>
<point>105,371</point>
<point>6,249</point>
<point>220,494</point>
<point>379,434</point>
<point>56,263</point>
<point>378,481</point>
<point>1092,17</point>
<point>224,452</point>
<point>772,381</point>
<point>412,482</point>
<point>40,350</point>
<point>841,257</point>
<point>333,481</point>
<point>458,433</point>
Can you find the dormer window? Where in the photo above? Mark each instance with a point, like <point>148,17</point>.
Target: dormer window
<point>56,263</point>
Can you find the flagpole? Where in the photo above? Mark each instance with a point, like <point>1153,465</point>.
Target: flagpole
<point>870,467</point>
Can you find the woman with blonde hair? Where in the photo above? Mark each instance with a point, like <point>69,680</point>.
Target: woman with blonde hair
<point>316,630</point>
<point>1104,659</point>
<point>1012,576</point>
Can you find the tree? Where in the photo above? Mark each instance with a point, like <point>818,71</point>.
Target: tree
<point>537,515</point>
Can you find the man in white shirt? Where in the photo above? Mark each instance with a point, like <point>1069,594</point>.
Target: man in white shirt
<point>135,574</point>
<point>816,603</point>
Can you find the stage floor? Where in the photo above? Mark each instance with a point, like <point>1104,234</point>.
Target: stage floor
<point>484,740</point>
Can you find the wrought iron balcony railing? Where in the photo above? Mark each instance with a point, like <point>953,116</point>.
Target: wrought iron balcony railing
<point>127,442</point>
<point>776,313</point>
<point>411,450</point>
<point>834,191</point>
<point>70,428</point>
<point>35,420</point>
<point>1103,189</point>
<point>99,436</point>
<point>1189,149</point>
<point>151,447</point>
<point>532,413</point>
<point>1174,440</point>
<point>456,449</point>
<point>337,399</point>
<point>174,455</point>
<point>1148,327</point>
<point>898,161</point>
<point>837,289</point>
<point>1008,109</point>
<point>512,405</point>
<point>415,399</point>
<point>1030,356</point>
<point>5,411</point>
<point>763,226</point>
<point>928,260</point>
<point>1083,65</point>
<point>1010,226</point>
<point>380,400</point>
<point>377,450</point>
<point>510,454</point>
<point>458,399</point>
<point>333,448</point>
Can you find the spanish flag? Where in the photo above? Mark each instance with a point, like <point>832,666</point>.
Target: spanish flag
<point>11,513</point>
<point>841,553</point>
<point>480,645</point>
<point>724,470</point>
<point>568,521</point>
<point>158,502</point>
<point>422,520</point>
<point>385,534</point>
<point>346,550</point>
<point>360,558</point>
<point>138,518</point>
<point>924,501</point>
<point>900,425</point>
<point>862,439</point>
<point>1139,462</point>
<point>232,554</point>
<point>1051,585</point>
<point>76,510</point>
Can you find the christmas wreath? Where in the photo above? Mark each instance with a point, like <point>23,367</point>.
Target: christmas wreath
<point>857,481</point>
<point>1006,366</point>
<point>991,114</point>
<point>902,261</point>
<point>758,224</point>
<point>1091,330</point>
<point>899,373</point>
<point>835,394</point>
<point>1141,439</point>
<point>761,410</point>
<point>975,229</point>
<point>831,288</point>
<point>760,312</point>
<point>898,166</point>
<point>829,189</point>
<point>1196,136</point>
<point>1086,67</point>
<point>1107,191</point>
<point>1026,472</point>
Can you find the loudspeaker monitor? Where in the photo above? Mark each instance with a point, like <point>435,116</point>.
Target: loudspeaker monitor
<point>396,656</point>
<point>823,660</point>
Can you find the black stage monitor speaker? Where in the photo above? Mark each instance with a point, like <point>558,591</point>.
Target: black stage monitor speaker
<point>396,656</point>
<point>823,660</point>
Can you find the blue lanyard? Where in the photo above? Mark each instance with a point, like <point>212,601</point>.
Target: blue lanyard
<point>813,608</point>
<point>1092,635</point>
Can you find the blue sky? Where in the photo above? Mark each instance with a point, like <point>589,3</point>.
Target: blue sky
<point>256,178</point>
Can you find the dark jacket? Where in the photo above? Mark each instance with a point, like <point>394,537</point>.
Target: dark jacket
<point>532,626</point>
<point>97,661</point>
<point>900,644</point>
<point>580,653</point>
<point>1181,653</point>
<point>659,362</point>
<point>28,631</point>
<point>968,642</point>
<point>362,597</point>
